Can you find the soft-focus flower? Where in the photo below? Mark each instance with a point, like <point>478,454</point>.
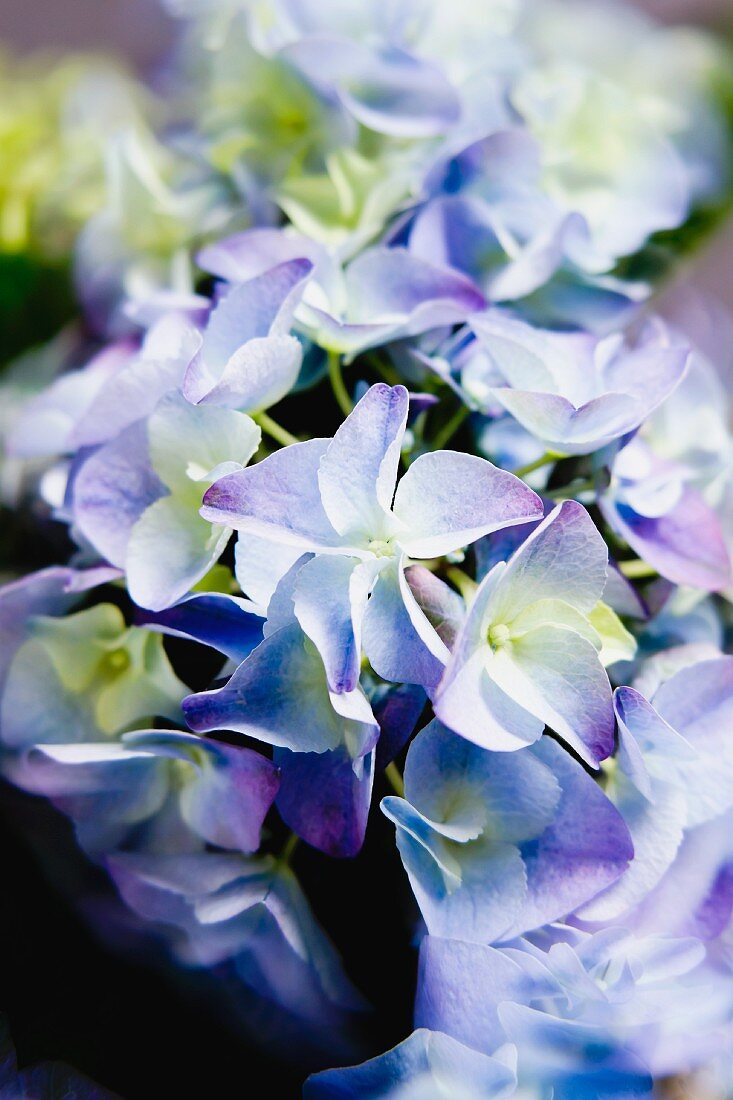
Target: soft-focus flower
<point>48,1079</point>
<point>99,677</point>
<point>575,392</point>
<point>426,1066</point>
<point>248,910</point>
<point>172,787</point>
<point>665,520</point>
<point>601,159</point>
<point>360,55</point>
<point>53,124</point>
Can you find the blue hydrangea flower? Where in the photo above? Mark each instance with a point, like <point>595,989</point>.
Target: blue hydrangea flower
<point>362,57</point>
<point>590,1015</point>
<point>383,295</point>
<point>493,842</point>
<point>175,789</point>
<point>280,695</point>
<point>666,521</point>
<point>248,912</point>
<point>671,779</point>
<point>573,391</point>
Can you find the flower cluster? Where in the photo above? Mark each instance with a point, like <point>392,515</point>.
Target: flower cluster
<point>486,566</point>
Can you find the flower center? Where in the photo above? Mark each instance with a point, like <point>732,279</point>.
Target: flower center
<point>499,636</point>
<point>381,548</point>
<point>117,661</point>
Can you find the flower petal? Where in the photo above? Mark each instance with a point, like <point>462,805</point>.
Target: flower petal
<point>448,499</point>
<point>358,471</point>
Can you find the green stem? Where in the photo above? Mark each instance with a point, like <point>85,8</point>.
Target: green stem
<point>274,430</point>
<point>450,428</point>
<point>384,370</point>
<point>394,779</point>
<point>337,383</point>
<point>543,460</point>
<point>568,492</point>
<point>465,584</point>
<point>636,569</point>
<point>288,849</point>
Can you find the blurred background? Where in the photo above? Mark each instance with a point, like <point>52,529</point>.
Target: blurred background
<point>139,30</point>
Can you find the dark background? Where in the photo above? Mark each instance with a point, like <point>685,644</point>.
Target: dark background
<point>116,1009</point>
<point>121,1013</point>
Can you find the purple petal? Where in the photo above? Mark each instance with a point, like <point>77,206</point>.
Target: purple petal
<point>226,623</point>
<point>277,498</point>
<point>586,847</point>
<point>686,545</point>
<point>386,90</point>
<point>247,359</point>
<point>254,252</point>
<point>384,282</point>
<point>324,800</point>
<point>397,713</point>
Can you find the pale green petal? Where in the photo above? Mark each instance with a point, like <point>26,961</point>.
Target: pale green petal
<point>554,613</point>
<point>78,643</point>
<point>188,442</point>
<point>170,549</point>
<point>617,644</point>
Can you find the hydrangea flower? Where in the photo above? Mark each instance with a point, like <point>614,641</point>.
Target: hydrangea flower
<point>666,521</point>
<point>493,842</point>
<point>249,911</point>
<point>99,677</point>
<point>361,57</point>
<point>384,294</point>
<point>528,652</point>
<point>336,499</point>
<point>172,787</point>
<point>338,203</point>
<point>672,776</point>
<point>575,392</point>
<point>589,1014</point>
<point>137,498</point>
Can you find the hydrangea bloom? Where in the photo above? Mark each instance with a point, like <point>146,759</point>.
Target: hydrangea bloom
<point>576,393</point>
<point>380,472</point>
<point>530,624</point>
<point>337,500</point>
<point>472,820</point>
